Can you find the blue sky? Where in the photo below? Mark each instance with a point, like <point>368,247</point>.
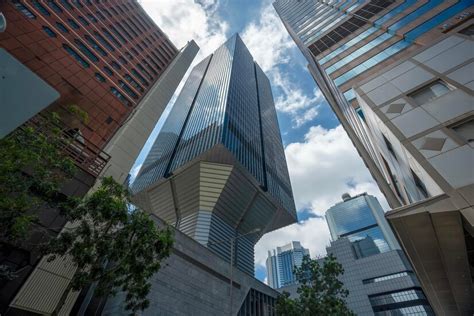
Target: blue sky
<point>321,159</point>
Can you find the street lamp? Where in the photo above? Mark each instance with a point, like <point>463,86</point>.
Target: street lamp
<point>232,241</point>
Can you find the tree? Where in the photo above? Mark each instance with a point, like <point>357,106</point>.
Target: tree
<point>112,244</point>
<point>32,169</point>
<point>320,291</point>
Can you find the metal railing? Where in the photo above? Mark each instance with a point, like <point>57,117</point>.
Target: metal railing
<point>85,155</point>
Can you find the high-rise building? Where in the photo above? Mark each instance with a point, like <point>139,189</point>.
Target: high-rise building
<point>377,274</point>
<point>281,263</point>
<point>361,219</point>
<point>217,170</point>
<point>54,54</point>
<point>414,129</point>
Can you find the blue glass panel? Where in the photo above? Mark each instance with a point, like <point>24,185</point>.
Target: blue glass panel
<point>414,15</point>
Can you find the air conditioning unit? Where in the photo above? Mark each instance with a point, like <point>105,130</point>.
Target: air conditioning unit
<point>3,23</point>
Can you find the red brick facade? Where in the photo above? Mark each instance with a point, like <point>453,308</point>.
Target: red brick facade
<point>101,55</point>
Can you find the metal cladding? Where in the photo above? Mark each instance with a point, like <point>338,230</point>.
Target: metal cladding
<point>217,169</point>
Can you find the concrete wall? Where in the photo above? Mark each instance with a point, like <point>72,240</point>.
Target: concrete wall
<point>193,281</point>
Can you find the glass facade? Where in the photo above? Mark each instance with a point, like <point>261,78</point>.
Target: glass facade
<point>281,263</point>
<point>226,100</point>
<point>404,302</point>
<point>361,220</point>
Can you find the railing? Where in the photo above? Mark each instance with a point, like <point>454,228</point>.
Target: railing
<point>85,154</point>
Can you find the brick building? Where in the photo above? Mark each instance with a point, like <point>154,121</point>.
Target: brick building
<point>112,61</point>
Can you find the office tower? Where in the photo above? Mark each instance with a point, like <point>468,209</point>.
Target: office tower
<point>377,274</point>
<point>361,219</point>
<point>60,53</point>
<point>217,170</point>
<point>413,130</point>
<point>281,263</point>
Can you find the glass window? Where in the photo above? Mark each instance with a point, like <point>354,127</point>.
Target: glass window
<point>86,51</point>
<point>119,96</point>
<point>389,146</point>
<point>26,12</point>
<point>54,6</point>
<point>128,89</point>
<point>108,71</point>
<point>67,4</point>
<point>49,31</point>
<point>430,92</point>
<point>140,77</point>
<point>103,41</point>
<point>95,45</point>
<point>99,77</point>
<point>100,15</point>
<point>116,32</point>
<point>465,129</point>
<point>419,184</point>
<point>469,31</point>
<point>41,9</point>
<point>78,57</point>
<point>111,37</point>
<point>73,24</point>
<point>83,21</point>
<point>115,65</point>
<point>387,277</point>
<point>77,3</point>
<point>122,60</point>
<point>91,18</point>
<point>133,82</point>
<point>62,27</point>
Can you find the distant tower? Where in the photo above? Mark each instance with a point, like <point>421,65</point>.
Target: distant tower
<point>281,263</point>
<point>361,219</point>
<point>217,170</point>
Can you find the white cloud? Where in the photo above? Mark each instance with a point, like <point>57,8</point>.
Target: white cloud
<point>267,39</point>
<point>324,166</point>
<point>184,20</point>
<point>312,233</point>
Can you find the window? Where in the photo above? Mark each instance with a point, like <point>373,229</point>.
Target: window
<point>92,18</point>
<point>469,31</point>
<point>73,24</point>
<point>133,82</point>
<point>115,65</point>
<point>86,51</point>
<point>55,7</point>
<point>134,51</point>
<point>122,60</point>
<point>389,147</point>
<point>111,37</point>
<point>26,12</point>
<point>99,77</point>
<point>77,3</point>
<point>41,9</point>
<point>465,129</point>
<point>430,92</point>
<point>100,15</point>
<point>121,38</point>
<point>420,185</point>
<point>62,27</point>
<point>83,21</point>
<point>67,4</point>
<point>119,96</point>
<point>140,77</point>
<point>387,277</point>
<point>128,89</point>
<point>49,31</point>
<point>95,45</point>
<point>103,41</point>
<point>108,71</point>
<point>74,54</point>
<point>129,56</point>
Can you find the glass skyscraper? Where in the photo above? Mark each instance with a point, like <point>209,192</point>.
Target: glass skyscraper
<point>217,170</point>
<point>393,73</point>
<point>281,263</point>
<point>361,220</point>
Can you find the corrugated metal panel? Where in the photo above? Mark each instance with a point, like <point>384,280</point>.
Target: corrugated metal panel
<point>161,200</point>
<point>213,179</point>
<point>43,289</point>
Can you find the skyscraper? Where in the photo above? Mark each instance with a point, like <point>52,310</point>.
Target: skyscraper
<point>217,170</point>
<point>361,219</point>
<point>377,274</point>
<point>281,263</point>
<point>387,69</point>
<point>54,54</point>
